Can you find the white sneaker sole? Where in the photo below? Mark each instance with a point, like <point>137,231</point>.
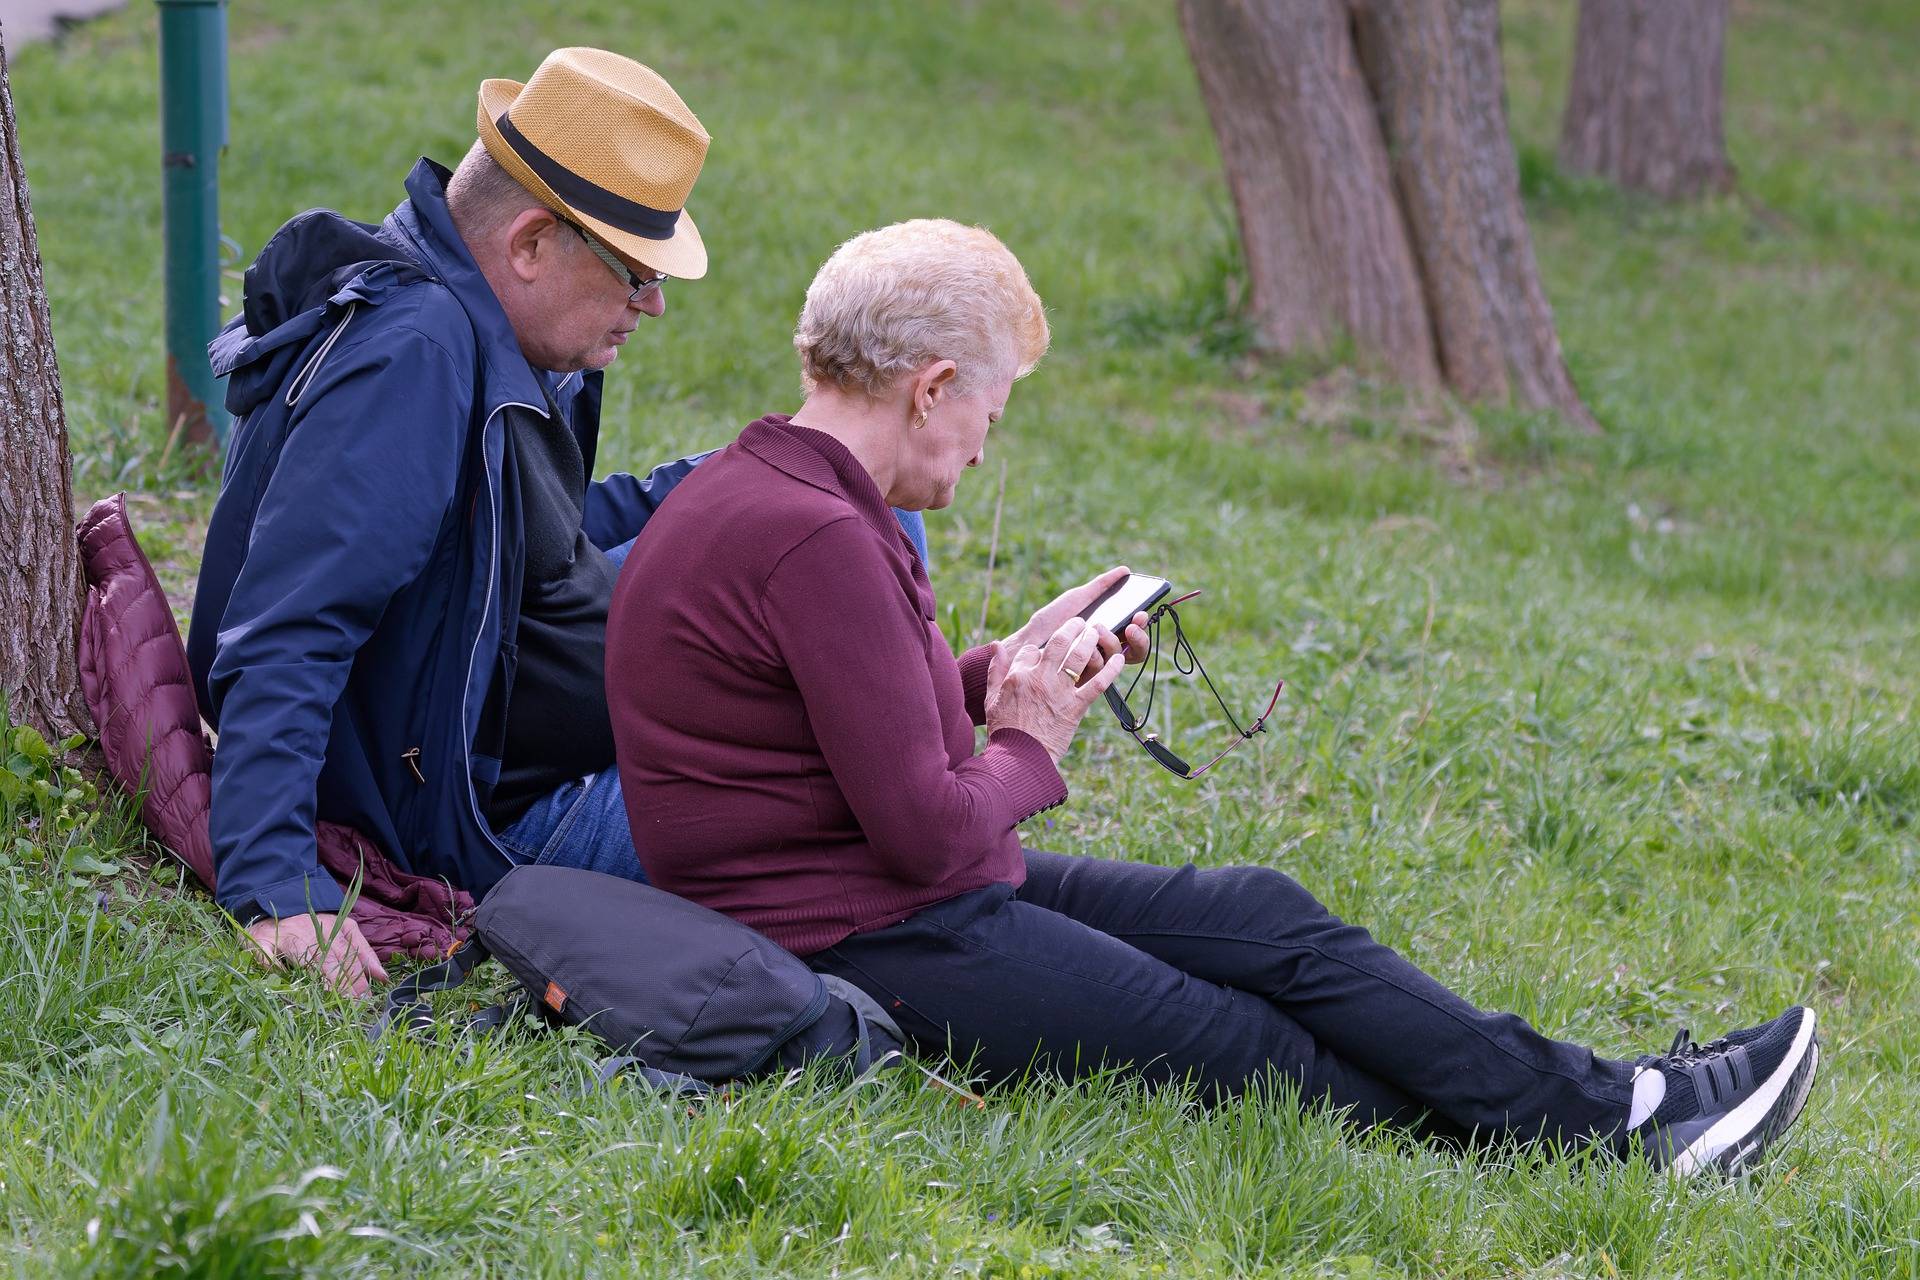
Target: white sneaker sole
<point>1782,1120</point>
<point>1746,1126</point>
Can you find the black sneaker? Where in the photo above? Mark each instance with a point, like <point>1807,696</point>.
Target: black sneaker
<point>1729,1100</point>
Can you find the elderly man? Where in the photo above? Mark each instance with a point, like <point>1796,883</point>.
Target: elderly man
<point>401,615</point>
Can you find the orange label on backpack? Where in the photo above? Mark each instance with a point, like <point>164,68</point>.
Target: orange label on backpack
<point>556,998</point>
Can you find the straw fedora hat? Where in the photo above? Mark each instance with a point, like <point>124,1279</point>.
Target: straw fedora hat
<point>608,143</point>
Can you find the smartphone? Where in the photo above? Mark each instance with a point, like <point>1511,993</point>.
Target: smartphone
<point>1135,593</point>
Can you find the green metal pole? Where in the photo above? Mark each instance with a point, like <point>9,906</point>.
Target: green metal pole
<point>193,130</point>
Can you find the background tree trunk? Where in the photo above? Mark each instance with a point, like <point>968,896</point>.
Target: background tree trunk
<point>40,583</point>
<point>1366,146</point>
<point>1327,252</point>
<point>1644,108</point>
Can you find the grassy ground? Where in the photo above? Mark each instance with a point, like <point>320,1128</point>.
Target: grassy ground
<point>1616,733</point>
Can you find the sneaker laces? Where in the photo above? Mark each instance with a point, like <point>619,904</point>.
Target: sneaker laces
<point>1684,1050</point>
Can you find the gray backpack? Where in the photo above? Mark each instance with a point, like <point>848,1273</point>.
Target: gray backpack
<point>684,995</point>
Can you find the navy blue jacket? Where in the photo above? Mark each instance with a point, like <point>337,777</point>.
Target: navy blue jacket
<point>358,595</point>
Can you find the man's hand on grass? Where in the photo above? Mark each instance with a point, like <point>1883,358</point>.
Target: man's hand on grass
<point>349,963</point>
<point>1047,620</point>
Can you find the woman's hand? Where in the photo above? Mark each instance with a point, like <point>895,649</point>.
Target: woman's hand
<point>1068,606</point>
<point>1040,691</point>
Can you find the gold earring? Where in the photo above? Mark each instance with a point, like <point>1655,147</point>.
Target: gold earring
<point>920,420</point>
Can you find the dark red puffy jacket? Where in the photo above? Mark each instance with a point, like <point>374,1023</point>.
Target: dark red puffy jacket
<point>133,671</point>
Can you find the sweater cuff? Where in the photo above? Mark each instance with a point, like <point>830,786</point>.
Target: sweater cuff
<point>973,680</point>
<point>1016,758</point>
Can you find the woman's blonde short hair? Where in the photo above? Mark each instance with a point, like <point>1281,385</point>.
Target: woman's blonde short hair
<point>890,301</point>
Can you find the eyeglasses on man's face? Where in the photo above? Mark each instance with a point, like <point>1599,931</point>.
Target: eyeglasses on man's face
<point>1186,662</point>
<point>642,285</point>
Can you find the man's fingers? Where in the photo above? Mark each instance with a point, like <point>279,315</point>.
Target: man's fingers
<point>332,944</point>
<point>1137,640</point>
<point>357,966</point>
<point>263,938</point>
<point>343,968</point>
<point>369,962</point>
<point>336,966</point>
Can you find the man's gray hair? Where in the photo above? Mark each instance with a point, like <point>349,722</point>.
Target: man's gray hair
<point>483,197</point>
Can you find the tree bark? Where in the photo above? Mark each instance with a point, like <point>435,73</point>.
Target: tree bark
<point>40,583</point>
<point>1437,79</point>
<point>1366,146</point>
<point>1644,108</point>
<point>1326,250</point>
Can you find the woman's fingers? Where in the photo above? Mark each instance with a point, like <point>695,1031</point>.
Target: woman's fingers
<point>1101,581</point>
<point>1075,599</point>
<point>1071,647</point>
<point>1106,644</point>
<point>1099,682</point>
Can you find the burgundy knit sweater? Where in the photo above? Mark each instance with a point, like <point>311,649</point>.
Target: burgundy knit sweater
<point>795,736</point>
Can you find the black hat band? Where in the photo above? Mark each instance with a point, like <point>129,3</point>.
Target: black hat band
<point>589,198</point>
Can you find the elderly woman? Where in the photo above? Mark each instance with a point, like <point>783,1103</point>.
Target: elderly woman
<point>796,743</point>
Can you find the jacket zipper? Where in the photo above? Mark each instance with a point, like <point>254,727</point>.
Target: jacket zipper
<point>311,370</point>
<point>486,607</point>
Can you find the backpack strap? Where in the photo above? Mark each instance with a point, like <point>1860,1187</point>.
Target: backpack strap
<point>672,1083</point>
<point>407,1003</point>
<point>866,1013</point>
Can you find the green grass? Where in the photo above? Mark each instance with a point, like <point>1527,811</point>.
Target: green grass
<point>1617,733</point>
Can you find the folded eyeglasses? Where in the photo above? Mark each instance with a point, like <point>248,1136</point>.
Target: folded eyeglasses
<point>1187,663</point>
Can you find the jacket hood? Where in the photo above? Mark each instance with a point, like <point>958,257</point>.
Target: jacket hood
<point>308,261</point>
<point>318,257</point>
<point>322,259</point>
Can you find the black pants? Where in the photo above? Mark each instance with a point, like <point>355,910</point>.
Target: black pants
<point>1223,976</point>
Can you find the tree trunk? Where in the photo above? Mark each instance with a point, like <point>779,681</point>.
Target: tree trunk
<point>1644,106</point>
<point>40,583</point>
<point>1366,146</point>
<point>1326,250</point>
<point>1436,76</point>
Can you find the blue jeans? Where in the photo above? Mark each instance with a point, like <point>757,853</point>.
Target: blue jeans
<point>584,823</point>
<point>581,824</point>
